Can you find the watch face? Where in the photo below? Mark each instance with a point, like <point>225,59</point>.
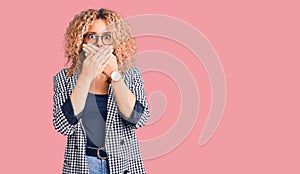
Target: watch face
<point>115,76</point>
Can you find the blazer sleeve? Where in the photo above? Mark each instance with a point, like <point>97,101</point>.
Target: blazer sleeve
<point>60,121</point>
<point>137,88</point>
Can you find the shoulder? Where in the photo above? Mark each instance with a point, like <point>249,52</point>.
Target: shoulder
<point>133,71</point>
<point>133,75</point>
<point>60,76</point>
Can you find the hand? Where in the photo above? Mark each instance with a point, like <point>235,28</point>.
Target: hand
<point>95,61</point>
<point>111,66</point>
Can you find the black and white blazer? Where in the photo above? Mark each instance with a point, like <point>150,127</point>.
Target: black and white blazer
<point>120,140</point>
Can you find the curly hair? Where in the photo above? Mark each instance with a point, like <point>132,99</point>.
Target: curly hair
<point>124,43</point>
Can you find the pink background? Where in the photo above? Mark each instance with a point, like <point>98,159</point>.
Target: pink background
<point>257,43</point>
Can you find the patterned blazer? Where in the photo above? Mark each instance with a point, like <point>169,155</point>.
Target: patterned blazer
<point>120,139</point>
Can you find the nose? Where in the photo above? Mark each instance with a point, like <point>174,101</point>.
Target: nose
<point>99,43</point>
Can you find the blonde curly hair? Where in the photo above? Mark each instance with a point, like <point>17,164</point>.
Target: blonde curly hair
<point>124,42</point>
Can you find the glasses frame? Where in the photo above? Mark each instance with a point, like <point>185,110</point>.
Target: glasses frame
<point>97,37</point>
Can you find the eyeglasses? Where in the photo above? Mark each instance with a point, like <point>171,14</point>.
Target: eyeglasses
<point>92,38</point>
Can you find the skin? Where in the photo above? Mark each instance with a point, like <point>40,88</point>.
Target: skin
<point>96,70</point>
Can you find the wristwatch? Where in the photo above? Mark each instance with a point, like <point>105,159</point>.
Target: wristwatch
<point>115,76</point>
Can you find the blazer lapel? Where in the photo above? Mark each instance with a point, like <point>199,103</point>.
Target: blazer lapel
<point>111,109</point>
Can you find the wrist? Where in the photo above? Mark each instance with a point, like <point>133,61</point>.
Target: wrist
<point>115,76</point>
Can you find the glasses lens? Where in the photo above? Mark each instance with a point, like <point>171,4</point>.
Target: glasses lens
<point>90,38</point>
<point>107,39</point>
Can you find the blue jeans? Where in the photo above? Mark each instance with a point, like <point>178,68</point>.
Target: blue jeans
<point>97,166</point>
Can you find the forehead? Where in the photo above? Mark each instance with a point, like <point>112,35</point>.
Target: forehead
<point>98,26</point>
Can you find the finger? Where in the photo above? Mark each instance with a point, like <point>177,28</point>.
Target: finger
<point>95,55</point>
<point>91,50</point>
<point>102,67</point>
<point>89,56</point>
<point>106,59</point>
<point>103,54</point>
<point>109,50</point>
<point>99,56</point>
<point>113,56</point>
<point>105,64</point>
<point>86,52</point>
<point>93,47</point>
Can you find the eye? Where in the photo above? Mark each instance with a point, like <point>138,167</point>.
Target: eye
<point>91,36</point>
<point>107,37</point>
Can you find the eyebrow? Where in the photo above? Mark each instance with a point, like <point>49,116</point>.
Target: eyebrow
<point>107,32</point>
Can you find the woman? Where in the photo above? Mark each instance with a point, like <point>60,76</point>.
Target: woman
<point>100,99</point>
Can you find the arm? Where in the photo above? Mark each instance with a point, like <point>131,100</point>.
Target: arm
<point>68,108</point>
<point>124,97</point>
<point>132,102</point>
<point>79,95</point>
<point>60,121</point>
